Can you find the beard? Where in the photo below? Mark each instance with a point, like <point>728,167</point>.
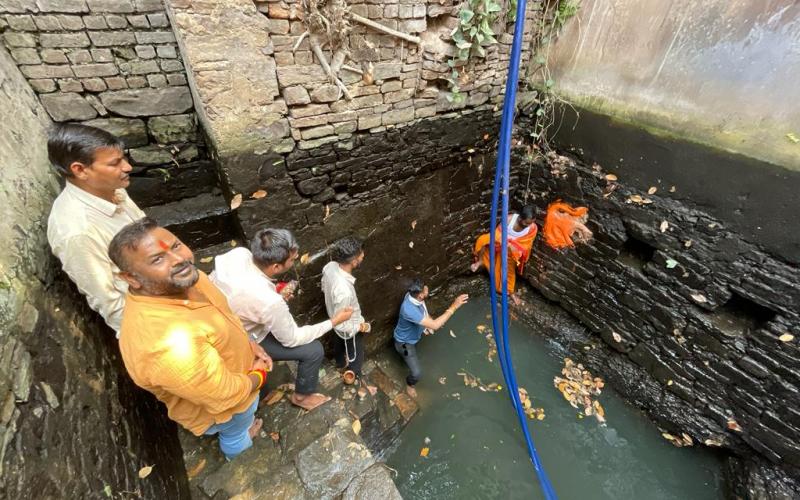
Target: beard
<point>174,284</point>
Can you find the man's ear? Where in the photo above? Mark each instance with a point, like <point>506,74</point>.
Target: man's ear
<point>130,279</point>
<point>79,170</point>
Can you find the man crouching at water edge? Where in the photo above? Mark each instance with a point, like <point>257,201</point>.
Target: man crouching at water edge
<point>180,340</point>
<point>247,279</point>
<point>413,321</point>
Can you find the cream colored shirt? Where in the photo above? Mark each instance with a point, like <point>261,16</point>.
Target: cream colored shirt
<point>253,297</point>
<point>79,230</point>
<point>340,292</point>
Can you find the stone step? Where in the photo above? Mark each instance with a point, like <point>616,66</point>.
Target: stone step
<point>199,221</point>
<point>314,454</point>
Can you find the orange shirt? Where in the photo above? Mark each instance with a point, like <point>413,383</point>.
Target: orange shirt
<point>193,355</point>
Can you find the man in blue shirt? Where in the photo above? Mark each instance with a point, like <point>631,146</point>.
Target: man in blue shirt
<point>414,320</point>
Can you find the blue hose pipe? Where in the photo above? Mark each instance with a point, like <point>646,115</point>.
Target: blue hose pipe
<point>500,196</point>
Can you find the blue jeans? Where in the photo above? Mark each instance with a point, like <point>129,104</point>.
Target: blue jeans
<point>409,354</point>
<point>233,435</point>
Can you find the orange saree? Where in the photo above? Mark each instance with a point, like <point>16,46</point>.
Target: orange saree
<point>519,251</point>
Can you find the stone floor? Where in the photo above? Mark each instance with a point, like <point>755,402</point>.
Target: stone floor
<point>321,454</point>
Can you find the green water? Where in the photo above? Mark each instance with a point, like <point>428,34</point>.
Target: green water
<point>477,449</point>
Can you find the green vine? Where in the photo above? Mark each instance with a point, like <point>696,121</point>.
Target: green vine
<point>472,35</point>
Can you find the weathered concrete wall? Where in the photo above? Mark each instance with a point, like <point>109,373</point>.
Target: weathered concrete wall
<point>70,425</point>
<point>700,308</point>
<point>716,72</point>
<point>115,65</point>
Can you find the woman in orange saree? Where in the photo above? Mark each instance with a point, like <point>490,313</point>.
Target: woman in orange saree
<point>522,231</point>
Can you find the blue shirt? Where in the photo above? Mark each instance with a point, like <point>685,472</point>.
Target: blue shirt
<point>408,329</point>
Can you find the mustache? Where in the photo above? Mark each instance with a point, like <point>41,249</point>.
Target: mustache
<point>179,268</point>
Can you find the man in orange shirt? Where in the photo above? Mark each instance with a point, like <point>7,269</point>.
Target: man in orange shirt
<point>180,340</point>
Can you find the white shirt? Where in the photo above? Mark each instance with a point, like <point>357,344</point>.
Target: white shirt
<point>253,297</point>
<point>340,292</point>
<point>516,234</point>
<point>79,230</point>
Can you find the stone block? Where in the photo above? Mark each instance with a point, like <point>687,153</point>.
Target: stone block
<point>400,95</point>
<point>132,131</point>
<point>405,11</point>
<point>145,51</point>
<point>167,51</point>
<point>102,55</point>
<point>138,21</point>
<point>171,65</point>
<point>111,38</point>
<point>116,22</point>
<point>375,11</point>
<point>67,107</point>
<point>413,25</point>
<point>150,155</point>
<point>315,143</point>
<point>299,75</point>
<point>368,122</point>
<point>69,85</point>
<point>157,80</point>
<point>316,132</point>
<point>94,84</point>
<point>13,39</point>
<point>47,23</point>
<point>310,121</point>
<point>278,26</point>
<point>43,86</point>
<point>62,6</point>
<point>143,67</point>
<point>136,82</point>
<point>171,129</point>
<point>116,6</point>
<point>384,71</point>
<point>366,101</point>
<point>95,69</point>
<point>425,112</point>
<point>20,23</point>
<point>296,95</point>
<point>345,127</point>
<point>95,22</point>
<point>47,71</point>
<point>158,20</point>
<point>397,116</point>
<point>309,110</point>
<point>392,86</point>
<point>375,482</point>
<point>284,59</point>
<point>176,79</point>
<point>70,23</point>
<point>312,186</point>
<point>155,37</point>
<point>390,11</point>
<point>57,56</point>
<point>419,10</point>
<point>148,5</point>
<point>325,93</point>
<point>28,55</point>
<point>116,83</point>
<point>148,102</point>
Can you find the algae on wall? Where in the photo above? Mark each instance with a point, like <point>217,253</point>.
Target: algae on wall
<point>722,73</point>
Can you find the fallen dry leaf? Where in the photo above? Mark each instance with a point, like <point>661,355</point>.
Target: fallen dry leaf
<point>481,328</point>
<point>452,334</point>
<point>664,226</point>
<point>413,224</point>
<point>733,425</point>
<point>197,469</point>
<point>327,212</point>
<point>206,260</point>
<point>424,451</point>
<point>274,397</point>
<point>611,177</point>
<point>672,189</point>
<point>236,201</point>
<point>145,471</point>
<point>652,190</point>
<point>398,267</point>
<point>304,258</point>
<point>485,136</point>
<point>579,387</point>
<point>357,426</point>
<point>410,244</point>
<point>786,337</point>
<point>275,436</point>
<point>442,380</point>
<point>699,297</point>
<point>687,243</point>
<point>617,337</point>
<point>258,194</point>
<point>714,441</point>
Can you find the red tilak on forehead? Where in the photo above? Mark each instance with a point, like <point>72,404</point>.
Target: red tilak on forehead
<point>163,245</point>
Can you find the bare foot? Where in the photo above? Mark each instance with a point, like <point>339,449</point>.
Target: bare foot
<point>255,428</point>
<point>515,299</point>
<point>411,391</point>
<point>474,266</point>
<point>309,401</point>
<point>371,388</point>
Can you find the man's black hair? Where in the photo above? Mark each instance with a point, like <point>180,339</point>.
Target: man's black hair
<point>72,142</point>
<point>128,238</point>
<point>527,212</point>
<point>346,249</point>
<point>273,246</point>
<point>415,287</point>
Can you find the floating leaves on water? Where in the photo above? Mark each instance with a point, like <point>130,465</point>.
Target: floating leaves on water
<point>357,426</point>
<point>452,334</point>
<point>485,136</point>
<point>304,258</point>
<point>473,381</point>
<point>145,471</point>
<point>639,200</point>
<point>398,267</point>
<point>617,337</point>
<point>427,440</point>
<point>671,263</point>
<point>197,469</point>
<point>652,190</point>
<point>492,352</point>
<point>274,397</point>
<point>233,243</point>
<point>672,189</point>
<point>664,226</point>
<point>275,437</point>
<point>733,425</point>
<point>687,243</point>
<point>410,244</point>
<point>714,441</point>
<point>259,194</point>
<point>206,260</point>
<point>327,212</point>
<point>236,201</point>
<point>679,441</point>
<point>442,380</point>
<point>413,224</point>
<point>531,412</point>
<point>481,328</point>
<point>611,177</point>
<point>107,490</point>
<point>792,137</point>
<point>670,382</point>
<point>700,298</point>
<point>786,337</point>
<point>424,451</point>
<point>578,387</point>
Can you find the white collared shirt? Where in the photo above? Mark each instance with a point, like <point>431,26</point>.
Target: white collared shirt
<point>254,298</point>
<point>79,230</point>
<point>340,292</point>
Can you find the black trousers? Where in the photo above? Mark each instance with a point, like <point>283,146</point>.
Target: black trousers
<point>355,347</point>
<point>309,358</point>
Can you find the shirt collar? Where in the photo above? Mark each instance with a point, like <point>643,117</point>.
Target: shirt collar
<point>187,303</point>
<point>105,207</point>
<point>415,301</point>
<point>349,277</point>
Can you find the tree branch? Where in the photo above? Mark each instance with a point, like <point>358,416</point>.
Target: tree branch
<point>389,31</point>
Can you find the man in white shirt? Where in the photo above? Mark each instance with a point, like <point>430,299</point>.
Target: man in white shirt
<point>246,277</point>
<point>338,285</point>
<point>91,209</point>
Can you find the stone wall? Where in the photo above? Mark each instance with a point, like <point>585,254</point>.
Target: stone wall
<point>115,65</point>
<point>71,426</point>
<point>708,314</point>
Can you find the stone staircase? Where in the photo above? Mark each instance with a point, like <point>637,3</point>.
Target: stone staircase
<point>316,455</point>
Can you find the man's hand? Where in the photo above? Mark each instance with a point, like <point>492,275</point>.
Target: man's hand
<point>260,364</point>
<point>459,301</point>
<point>261,355</point>
<point>364,327</point>
<point>342,316</point>
<point>287,292</point>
